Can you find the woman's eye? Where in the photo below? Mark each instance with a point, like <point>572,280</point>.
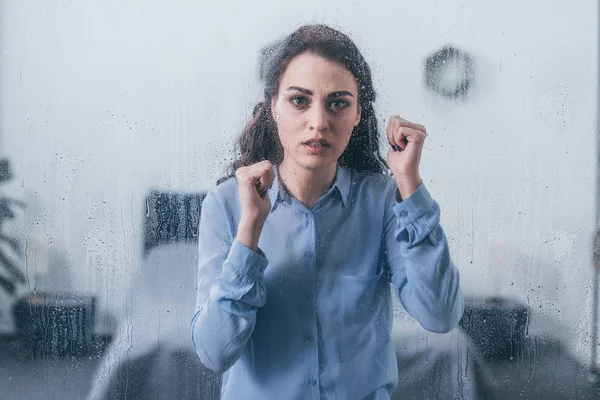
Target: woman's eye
<point>298,101</point>
<point>339,104</point>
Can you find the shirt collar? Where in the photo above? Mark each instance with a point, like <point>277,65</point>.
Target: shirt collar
<point>341,183</point>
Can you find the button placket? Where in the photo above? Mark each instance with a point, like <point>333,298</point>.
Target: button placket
<point>310,260</point>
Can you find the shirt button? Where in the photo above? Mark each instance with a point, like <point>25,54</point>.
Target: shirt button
<point>308,254</point>
<point>309,296</point>
<point>403,214</point>
<point>312,382</point>
<point>311,339</point>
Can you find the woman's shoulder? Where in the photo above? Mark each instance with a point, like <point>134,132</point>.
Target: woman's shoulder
<point>225,192</point>
<point>378,182</point>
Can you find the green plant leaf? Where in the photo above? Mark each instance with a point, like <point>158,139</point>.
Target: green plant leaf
<point>11,267</point>
<point>7,285</point>
<point>12,242</point>
<point>5,171</point>
<point>5,210</point>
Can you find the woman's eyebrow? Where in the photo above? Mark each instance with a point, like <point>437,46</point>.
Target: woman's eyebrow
<point>340,93</point>
<point>310,93</point>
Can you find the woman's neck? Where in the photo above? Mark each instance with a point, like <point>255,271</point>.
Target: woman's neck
<point>307,186</point>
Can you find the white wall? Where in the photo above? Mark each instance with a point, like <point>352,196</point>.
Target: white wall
<point>102,100</point>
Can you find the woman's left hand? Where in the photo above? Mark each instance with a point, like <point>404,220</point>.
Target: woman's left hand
<point>406,140</point>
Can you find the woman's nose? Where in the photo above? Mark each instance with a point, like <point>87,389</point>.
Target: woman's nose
<point>318,119</point>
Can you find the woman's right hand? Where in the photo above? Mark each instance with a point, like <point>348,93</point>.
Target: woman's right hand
<point>253,181</point>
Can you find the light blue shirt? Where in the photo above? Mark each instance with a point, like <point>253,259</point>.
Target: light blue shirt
<point>309,315</point>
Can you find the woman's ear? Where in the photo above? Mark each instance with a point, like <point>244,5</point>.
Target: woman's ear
<point>273,108</point>
<point>358,116</point>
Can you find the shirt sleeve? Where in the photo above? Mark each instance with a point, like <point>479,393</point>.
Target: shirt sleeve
<point>230,289</point>
<point>417,253</point>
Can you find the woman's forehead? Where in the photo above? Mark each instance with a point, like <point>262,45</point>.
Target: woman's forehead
<point>316,73</point>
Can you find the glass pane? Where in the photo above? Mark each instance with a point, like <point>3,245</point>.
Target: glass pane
<point>117,119</point>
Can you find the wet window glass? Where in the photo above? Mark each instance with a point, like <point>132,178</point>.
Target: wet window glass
<point>256,200</point>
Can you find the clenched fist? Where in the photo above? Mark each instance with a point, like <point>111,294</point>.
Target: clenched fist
<point>253,183</point>
<point>406,141</point>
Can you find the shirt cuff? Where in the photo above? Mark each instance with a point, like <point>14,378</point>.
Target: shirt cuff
<point>247,262</point>
<point>417,203</point>
<point>417,215</point>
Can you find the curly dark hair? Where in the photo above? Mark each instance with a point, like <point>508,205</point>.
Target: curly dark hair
<point>259,140</point>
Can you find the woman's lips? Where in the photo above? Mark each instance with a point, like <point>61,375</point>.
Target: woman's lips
<point>319,149</point>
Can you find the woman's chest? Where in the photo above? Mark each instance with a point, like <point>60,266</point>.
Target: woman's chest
<point>325,271</point>
<point>316,248</point>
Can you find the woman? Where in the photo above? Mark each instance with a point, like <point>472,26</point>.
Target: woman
<point>298,247</point>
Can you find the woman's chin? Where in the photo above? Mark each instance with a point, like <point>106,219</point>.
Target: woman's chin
<point>313,163</point>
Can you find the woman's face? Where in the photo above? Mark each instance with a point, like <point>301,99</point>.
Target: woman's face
<point>317,102</point>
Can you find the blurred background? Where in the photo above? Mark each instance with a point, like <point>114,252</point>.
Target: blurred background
<point>116,117</point>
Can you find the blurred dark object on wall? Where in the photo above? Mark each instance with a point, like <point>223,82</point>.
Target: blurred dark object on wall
<point>450,72</point>
<point>497,326</point>
<point>171,217</point>
<point>55,325</point>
